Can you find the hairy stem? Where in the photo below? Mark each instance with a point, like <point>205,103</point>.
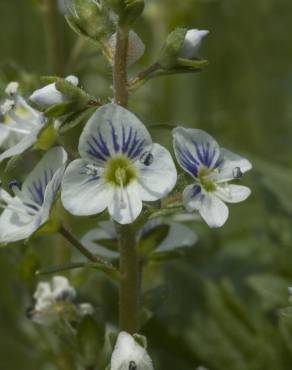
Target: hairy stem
<point>129,291</point>
<point>54,37</point>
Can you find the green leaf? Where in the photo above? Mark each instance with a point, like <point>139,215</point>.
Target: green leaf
<point>58,110</point>
<point>149,242</point>
<point>272,289</point>
<point>46,139</point>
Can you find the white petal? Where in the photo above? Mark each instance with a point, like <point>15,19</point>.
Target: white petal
<point>4,133</point>
<point>113,130</point>
<point>61,286</point>
<point>127,350</point>
<point>84,194</point>
<point>233,193</point>
<point>212,209</point>
<point>192,43</point>
<point>43,290</point>
<point>34,187</point>
<point>159,177</point>
<point>178,236</point>
<point>15,227</point>
<point>105,231</point>
<point>136,47</point>
<point>230,165</point>
<point>194,149</point>
<point>25,143</point>
<point>125,205</point>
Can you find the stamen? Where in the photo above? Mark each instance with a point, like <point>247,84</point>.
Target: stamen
<point>121,175</point>
<point>7,106</point>
<point>132,365</point>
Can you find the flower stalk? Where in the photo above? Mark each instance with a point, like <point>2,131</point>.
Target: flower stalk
<point>129,283</point>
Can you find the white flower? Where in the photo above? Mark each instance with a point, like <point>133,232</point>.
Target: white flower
<point>21,124</point>
<point>192,43</point>
<point>129,355</point>
<point>136,47</point>
<point>29,208</point>
<point>119,167</point>
<point>179,236</point>
<point>49,95</point>
<point>212,168</point>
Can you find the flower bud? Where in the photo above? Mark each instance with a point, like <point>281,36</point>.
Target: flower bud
<point>192,42</point>
<point>127,10</point>
<point>49,95</point>
<point>88,18</point>
<point>128,354</point>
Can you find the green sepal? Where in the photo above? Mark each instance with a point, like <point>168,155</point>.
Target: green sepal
<point>170,52</point>
<point>141,340</point>
<point>74,119</point>
<point>149,242</point>
<point>59,110</point>
<point>90,338</point>
<point>192,63</point>
<point>46,139</point>
<point>72,91</point>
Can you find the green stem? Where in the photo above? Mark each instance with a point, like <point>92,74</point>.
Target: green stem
<point>129,289</point>
<point>54,37</point>
<point>130,280</point>
<point>82,249</point>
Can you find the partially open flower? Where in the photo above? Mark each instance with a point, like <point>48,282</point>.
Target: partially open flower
<point>212,168</point>
<point>55,301</point>
<point>21,124</point>
<point>129,355</point>
<point>29,207</point>
<point>49,95</point>
<point>119,168</point>
<point>192,43</point>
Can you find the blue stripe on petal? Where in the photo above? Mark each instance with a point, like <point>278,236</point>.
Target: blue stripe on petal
<point>188,161</point>
<point>205,153</point>
<point>116,145</point>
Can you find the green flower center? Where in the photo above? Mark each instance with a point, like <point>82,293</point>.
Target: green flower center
<point>119,171</point>
<point>206,183</point>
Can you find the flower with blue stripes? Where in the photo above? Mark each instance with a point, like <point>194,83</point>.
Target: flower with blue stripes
<point>119,168</point>
<point>212,168</point>
<point>29,207</point>
<point>21,125</point>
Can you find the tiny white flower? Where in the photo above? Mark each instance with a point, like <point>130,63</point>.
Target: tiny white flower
<point>21,124</point>
<point>129,355</point>
<point>29,208</point>
<point>136,47</point>
<point>119,168</point>
<point>49,95</point>
<point>52,300</point>
<point>12,88</point>
<point>192,43</point>
<point>212,168</point>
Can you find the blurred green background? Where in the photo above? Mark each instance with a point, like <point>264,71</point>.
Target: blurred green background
<point>224,305</point>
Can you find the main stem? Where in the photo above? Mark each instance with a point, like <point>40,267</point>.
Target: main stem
<point>129,289</point>
<point>54,37</point>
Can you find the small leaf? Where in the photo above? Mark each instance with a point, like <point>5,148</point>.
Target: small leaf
<point>152,239</point>
<point>46,139</point>
<point>75,119</point>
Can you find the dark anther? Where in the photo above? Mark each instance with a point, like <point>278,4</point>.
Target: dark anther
<point>132,365</point>
<point>14,183</point>
<point>147,158</point>
<point>65,295</point>
<point>29,312</point>
<point>237,174</point>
